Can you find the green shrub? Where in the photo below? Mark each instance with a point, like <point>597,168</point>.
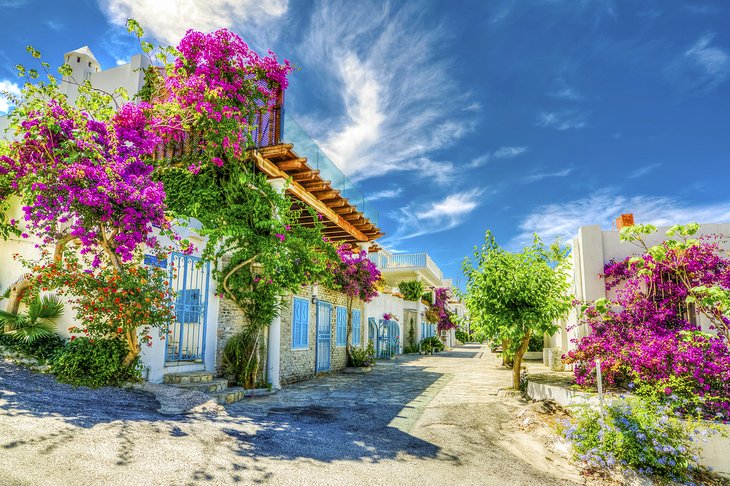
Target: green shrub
<point>537,343</point>
<point>638,434</point>
<point>463,336</point>
<point>95,363</point>
<point>433,343</point>
<point>240,360</point>
<point>363,357</point>
<point>411,289</point>
<point>42,349</point>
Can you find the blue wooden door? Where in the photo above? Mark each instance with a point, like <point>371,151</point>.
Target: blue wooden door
<point>324,336</point>
<point>189,280</point>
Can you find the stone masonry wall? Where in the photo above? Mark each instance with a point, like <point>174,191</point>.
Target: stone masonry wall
<point>299,364</point>
<point>230,321</point>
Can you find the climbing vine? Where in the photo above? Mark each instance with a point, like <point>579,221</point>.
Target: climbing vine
<point>212,90</point>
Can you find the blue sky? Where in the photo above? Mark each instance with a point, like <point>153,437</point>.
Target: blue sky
<point>461,116</point>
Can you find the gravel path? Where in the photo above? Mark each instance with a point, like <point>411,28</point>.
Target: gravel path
<point>415,420</point>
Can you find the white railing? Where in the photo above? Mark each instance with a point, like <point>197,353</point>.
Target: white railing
<point>405,260</point>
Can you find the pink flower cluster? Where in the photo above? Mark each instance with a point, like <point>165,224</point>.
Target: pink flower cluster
<point>441,305</point>
<point>355,274</point>
<point>222,83</point>
<point>647,335</point>
<point>88,179</point>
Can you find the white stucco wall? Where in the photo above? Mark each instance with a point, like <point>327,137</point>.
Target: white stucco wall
<point>153,358</point>
<point>387,303</point>
<point>592,249</point>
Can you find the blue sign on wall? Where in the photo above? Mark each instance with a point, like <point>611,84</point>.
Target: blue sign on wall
<point>153,261</point>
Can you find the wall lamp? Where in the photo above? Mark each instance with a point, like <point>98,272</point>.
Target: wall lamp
<point>315,292</point>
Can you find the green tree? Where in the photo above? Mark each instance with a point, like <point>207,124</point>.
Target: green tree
<point>512,296</point>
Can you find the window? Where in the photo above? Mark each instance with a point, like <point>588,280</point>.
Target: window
<point>300,324</point>
<point>356,327</point>
<point>341,339</point>
<point>78,59</point>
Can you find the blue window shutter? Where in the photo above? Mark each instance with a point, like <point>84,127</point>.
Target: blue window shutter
<point>341,326</point>
<point>356,327</point>
<point>300,323</point>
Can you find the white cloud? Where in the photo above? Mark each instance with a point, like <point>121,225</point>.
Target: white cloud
<point>544,175</point>
<point>479,161</point>
<point>11,88</point>
<point>419,218</point>
<point>500,153</point>
<point>642,171</point>
<point>167,20</point>
<point>708,65</point>
<point>121,62</point>
<point>385,194</point>
<point>399,102</point>
<point>509,152</point>
<point>602,208</point>
<point>564,120</point>
<point>565,92</point>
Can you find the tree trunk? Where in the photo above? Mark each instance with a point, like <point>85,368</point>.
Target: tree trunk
<point>506,358</point>
<point>16,294</point>
<point>133,345</point>
<point>518,360</point>
<point>348,338</point>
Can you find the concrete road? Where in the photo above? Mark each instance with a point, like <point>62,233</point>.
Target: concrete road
<point>429,420</point>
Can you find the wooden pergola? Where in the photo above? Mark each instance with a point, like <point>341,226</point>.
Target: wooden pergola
<point>343,221</point>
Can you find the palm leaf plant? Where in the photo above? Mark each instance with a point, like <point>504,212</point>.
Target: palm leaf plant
<point>36,322</point>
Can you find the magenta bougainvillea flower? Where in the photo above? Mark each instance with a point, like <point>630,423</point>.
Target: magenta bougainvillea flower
<point>648,334</point>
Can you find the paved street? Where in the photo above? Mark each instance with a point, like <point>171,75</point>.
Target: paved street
<point>415,420</point>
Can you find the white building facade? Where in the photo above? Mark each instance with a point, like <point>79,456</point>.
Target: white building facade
<point>592,249</point>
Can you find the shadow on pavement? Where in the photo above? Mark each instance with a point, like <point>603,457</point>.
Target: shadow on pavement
<point>354,420</point>
<point>23,392</point>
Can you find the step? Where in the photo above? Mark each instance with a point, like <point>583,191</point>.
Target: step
<point>187,377</point>
<point>213,386</point>
<point>230,395</point>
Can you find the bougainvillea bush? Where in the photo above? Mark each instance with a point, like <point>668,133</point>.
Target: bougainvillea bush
<point>648,338</point>
<point>97,193</point>
<point>446,318</point>
<point>356,276</point>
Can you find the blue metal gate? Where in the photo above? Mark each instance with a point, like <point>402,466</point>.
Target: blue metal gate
<point>189,280</point>
<point>324,336</point>
<point>388,339</point>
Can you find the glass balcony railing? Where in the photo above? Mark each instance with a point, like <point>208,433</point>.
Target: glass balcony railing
<point>305,146</point>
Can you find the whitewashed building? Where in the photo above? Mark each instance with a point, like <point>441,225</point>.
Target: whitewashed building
<point>307,339</point>
<point>408,325</point>
<point>592,249</point>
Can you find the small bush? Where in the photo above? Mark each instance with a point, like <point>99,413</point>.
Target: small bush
<point>640,435</point>
<point>537,343</point>
<point>432,343</point>
<point>363,357</point>
<point>411,290</point>
<point>463,336</point>
<point>94,363</point>
<point>42,349</point>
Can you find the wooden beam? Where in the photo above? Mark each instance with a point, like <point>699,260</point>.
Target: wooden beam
<point>293,164</point>
<point>306,175</point>
<point>324,195</point>
<point>316,185</point>
<point>270,169</point>
<point>275,150</point>
<point>345,210</point>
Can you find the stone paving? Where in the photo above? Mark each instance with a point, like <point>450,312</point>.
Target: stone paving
<point>414,420</point>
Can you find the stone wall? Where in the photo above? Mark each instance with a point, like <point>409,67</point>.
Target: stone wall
<point>299,364</point>
<point>230,321</point>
